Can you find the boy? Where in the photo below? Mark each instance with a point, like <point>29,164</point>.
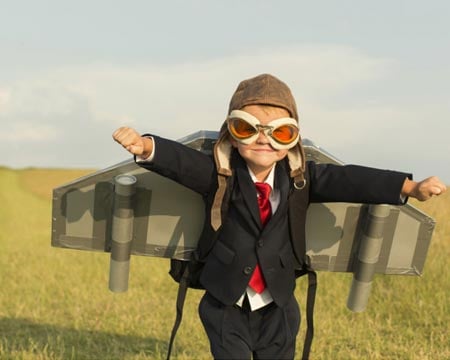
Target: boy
<point>257,188</point>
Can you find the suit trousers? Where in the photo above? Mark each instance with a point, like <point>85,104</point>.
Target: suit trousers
<point>238,333</point>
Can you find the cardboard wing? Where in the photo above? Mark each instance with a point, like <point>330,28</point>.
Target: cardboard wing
<point>167,218</point>
<point>158,217</point>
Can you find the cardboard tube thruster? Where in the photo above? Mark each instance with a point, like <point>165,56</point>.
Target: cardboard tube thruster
<point>369,252</point>
<point>122,232</point>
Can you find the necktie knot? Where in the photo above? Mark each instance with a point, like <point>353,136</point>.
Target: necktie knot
<point>263,189</point>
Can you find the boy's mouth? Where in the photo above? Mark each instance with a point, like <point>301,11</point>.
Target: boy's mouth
<point>265,149</point>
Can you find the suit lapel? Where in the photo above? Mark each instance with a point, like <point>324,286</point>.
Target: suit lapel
<point>248,193</point>
<point>281,182</point>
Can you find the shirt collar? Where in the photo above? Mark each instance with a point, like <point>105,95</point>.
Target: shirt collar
<point>269,179</point>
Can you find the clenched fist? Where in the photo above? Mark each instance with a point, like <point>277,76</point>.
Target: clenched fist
<point>133,142</point>
<point>425,189</point>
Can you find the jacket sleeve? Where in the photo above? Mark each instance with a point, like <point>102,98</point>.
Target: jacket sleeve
<point>355,184</point>
<point>186,166</point>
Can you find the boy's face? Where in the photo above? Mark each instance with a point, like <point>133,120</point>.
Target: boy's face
<point>260,155</point>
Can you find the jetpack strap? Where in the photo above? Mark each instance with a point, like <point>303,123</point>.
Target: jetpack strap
<point>181,296</point>
<point>310,301</point>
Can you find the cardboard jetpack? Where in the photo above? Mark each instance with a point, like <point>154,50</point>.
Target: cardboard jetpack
<point>127,210</point>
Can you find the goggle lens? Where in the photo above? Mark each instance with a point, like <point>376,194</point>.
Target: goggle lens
<point>241,129</point>
<point>285,134</point>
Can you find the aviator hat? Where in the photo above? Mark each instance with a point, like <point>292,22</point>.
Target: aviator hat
<point>264,89</point>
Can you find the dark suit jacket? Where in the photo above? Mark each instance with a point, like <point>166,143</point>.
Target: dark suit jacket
<point>231,254</point>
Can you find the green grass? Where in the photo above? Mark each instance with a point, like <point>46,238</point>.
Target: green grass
<point>55,303</point>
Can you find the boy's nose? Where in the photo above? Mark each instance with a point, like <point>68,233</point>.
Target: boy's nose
<point>262,138</point>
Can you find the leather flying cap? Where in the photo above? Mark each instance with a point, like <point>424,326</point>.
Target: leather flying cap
<point>264,89</point>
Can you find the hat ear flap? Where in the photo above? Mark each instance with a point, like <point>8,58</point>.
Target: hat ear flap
<point>297,161</point>
<point>222,152</point>
<point>216,209</point>
<point>222,156</point>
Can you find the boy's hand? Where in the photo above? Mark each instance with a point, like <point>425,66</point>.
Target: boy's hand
<point>423,190</point>
<point>131,140</point>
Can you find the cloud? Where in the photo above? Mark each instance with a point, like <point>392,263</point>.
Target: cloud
<point>69,112</point>
<point>197,94</point>
<point>152,94</point>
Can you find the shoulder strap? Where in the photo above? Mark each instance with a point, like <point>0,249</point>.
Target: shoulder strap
<point>310,301</point>
<point>298,185</point>
<point>181,296</point>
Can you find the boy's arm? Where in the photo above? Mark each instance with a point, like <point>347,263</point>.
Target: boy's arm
<point>355,184</point>
<point>360,184</point>
<point>423,190</point>
<point>186,166</point>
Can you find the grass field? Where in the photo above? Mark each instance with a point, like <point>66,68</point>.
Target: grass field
<point>55,303</point>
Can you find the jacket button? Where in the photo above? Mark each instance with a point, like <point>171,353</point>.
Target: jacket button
<point>260,243</point>
<point>248,270</point>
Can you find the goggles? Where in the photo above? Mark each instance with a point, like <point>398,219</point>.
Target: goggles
<point>282,133</point>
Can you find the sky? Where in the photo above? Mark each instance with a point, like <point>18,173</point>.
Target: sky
<point>371,78</point>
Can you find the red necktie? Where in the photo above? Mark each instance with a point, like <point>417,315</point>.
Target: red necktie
<point>257,282</point>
